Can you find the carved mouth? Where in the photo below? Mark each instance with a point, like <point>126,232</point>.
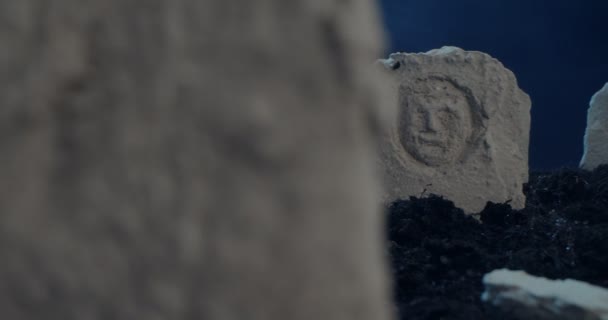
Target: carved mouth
<point>432,142</point>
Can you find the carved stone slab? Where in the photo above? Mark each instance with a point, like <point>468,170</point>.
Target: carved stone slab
<point>462,130</point>
<point>596,135</point>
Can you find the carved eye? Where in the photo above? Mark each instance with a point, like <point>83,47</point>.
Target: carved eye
<point>446,117</point>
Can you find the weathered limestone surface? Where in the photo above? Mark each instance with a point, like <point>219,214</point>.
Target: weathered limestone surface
<point>462,130</point>
<point>596,134</point>
<point>187,159</point>
<point>530,297</point>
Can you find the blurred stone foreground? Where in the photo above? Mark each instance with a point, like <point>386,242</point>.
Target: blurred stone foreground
<point>189,159</point>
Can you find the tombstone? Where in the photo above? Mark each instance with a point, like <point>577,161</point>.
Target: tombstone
<point>187,159</point>
<point>596,134</point>
<point>462,131</point>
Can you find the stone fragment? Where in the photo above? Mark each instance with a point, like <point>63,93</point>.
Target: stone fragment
<point>462,130</point>
<point>530,297</point>
<point>596,134</point>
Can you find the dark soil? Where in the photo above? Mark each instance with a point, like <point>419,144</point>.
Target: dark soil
<point>439,255</point>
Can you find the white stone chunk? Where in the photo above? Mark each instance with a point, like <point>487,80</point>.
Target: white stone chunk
<point>596,134</point>
<point>462,130</point>
<point>539,298</point>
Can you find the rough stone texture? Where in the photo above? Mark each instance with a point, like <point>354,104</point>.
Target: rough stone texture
<point>596,134</point>
<point>462,130</point>
<point>187,159</point>
<point>530,297</point>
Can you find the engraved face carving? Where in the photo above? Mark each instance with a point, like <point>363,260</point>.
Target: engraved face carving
<point>435,123</point>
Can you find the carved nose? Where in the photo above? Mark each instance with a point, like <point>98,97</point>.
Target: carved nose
<point>431,123</point>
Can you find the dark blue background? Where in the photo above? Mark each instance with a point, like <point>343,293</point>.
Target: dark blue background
<point>558,49</point>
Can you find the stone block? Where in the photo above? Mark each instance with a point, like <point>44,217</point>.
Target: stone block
<point>188,160</point>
